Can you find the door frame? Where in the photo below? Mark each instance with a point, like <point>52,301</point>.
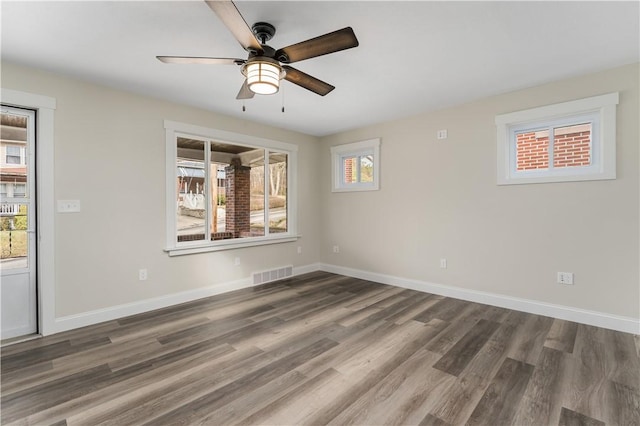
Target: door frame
<point>45,267</point>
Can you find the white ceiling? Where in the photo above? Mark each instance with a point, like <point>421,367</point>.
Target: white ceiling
<point>413,56</point>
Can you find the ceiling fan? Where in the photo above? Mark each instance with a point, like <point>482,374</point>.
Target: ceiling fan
<point>264,67</point>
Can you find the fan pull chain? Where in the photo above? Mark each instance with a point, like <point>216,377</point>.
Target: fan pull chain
<point>282,90</point>
<point>243,107</point>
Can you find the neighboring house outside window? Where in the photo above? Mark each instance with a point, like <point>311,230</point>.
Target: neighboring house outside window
<point>13,158</point>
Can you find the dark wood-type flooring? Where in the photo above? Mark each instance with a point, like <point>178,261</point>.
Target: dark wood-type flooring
<point>326,349</point>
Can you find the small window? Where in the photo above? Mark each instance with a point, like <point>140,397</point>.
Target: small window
<point>570,141</point>
<point>13,154</point>
<point>356,166</point>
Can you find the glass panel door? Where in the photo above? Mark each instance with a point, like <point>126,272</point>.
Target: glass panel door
<point>17,222</point>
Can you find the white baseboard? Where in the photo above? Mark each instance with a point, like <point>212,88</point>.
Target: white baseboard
<point>599,319</point>
<point>84,319</point>
<point>313,267</point>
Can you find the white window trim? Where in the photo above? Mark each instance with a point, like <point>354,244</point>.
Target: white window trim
<point>603,140</point>
<point>172,130</point>
<point>367,147</point>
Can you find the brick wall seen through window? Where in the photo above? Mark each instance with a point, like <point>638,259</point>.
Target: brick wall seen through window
<point>571,148</point>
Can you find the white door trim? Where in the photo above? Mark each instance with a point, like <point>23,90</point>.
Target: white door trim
<point>45,108</point>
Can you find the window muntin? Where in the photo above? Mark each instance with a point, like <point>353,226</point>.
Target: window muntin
<point>233,193</point>
<point>563,142</point>
<point>356,166</point>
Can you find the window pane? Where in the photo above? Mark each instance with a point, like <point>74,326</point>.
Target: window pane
<point>190,190</point>
<point>350,169</point>
<point>257,199</point>
<point>366,168</point>
<point>14,144</point>
<point>532,150</point>
<point>13,236</point>
<point>218,201</point>
<point>277,192</point>
<point>239,196</point>
<point>572,146</point>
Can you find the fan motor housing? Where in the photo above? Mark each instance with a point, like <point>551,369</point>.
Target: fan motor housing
<point>263,31</point>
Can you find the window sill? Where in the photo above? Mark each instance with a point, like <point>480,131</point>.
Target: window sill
<point>228,245</point>
<point>562,176</point>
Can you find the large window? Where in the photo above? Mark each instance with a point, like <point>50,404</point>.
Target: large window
<point>227,190</point>
<point>570,141</point>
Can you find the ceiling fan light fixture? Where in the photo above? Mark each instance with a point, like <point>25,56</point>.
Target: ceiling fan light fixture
<point>263,77</point>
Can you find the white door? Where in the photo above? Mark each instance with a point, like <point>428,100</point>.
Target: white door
<point>17,223</point>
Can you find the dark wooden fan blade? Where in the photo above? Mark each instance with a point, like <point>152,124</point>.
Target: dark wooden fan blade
<point>323,45</point>
<point>199,60</point>
<point>305,80</point>
<point>245,92</point>
<point>233,20</point>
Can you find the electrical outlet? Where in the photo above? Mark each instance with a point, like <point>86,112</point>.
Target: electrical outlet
<point>336,249</point>
<point>442,134</point>
<point>142,274</point>
<point>565,278</point>
<point>443,263</point>
<point>236,261</point>
<point>299,249</point>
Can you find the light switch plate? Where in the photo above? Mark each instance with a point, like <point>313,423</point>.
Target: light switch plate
<point>565,278</point>
<point>68,206</point>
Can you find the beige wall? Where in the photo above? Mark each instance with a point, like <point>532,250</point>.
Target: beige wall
<point>439,199</point>
<point>110,154</point>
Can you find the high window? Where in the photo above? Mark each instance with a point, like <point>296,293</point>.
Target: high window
<point>227,190</point>
<point>570,141</point>
<point>356,166</point>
